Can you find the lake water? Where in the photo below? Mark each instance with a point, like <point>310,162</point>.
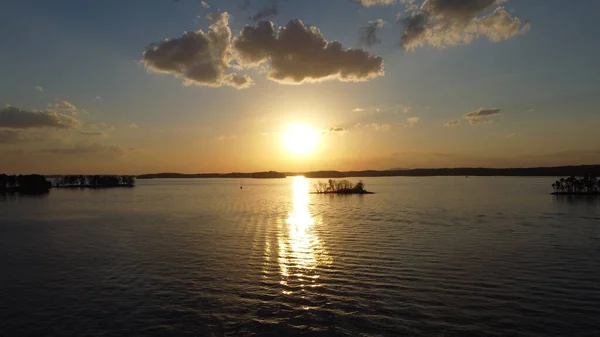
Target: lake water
<point>444,256</point>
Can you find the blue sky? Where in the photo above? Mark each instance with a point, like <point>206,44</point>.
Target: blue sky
<point>542,79</point>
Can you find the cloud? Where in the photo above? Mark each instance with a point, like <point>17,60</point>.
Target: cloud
<point>335,130</point>
<point>358,110</point>
<point>299,53</point>
<point>269,10</point>
<point>204,4</point>
<point>13,136</point>
<point>443,23</point>
<point>91,133</point>
<point>409,5</point>
<point>412,121</point>
<point>15,118</point>
<point>369,3</point>
<point>100,127</point>
<point>65,106</point>
<point>511,135</point>
<point>368,33</point>
<point>39,89</point>
<point>86,148</point>
<point>452,123</point>
<point>133,126</point>
<point>199,58</point>
<point>378,127</point>
<point>481,116</point>
<point>98,98</point>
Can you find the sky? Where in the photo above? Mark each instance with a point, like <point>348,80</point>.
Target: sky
<point>136,86</point>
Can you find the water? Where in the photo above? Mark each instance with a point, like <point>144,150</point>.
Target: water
<point>425,256</point>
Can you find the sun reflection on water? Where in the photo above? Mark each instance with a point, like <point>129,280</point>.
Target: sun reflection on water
<point>300,250</point>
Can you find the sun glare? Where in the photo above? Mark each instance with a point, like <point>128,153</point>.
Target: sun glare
<point>300,139</point>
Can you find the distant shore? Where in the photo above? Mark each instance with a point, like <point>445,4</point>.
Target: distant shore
<point>92,186</point>
<point>555,171</point>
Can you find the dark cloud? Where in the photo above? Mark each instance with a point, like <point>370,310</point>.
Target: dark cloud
<point>481,116</point>
<point>15,118</point>
<point>442,23</point>
<point>368,33</point>
<point>200,58</point>
<point>85,149</point>
<point>299,53</point>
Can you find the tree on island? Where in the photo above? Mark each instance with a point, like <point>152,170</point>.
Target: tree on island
<point>588,184</point>
<point>340,187</point>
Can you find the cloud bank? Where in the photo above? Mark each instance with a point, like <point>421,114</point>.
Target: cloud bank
<point>443,23</point>
<point>15,118</point>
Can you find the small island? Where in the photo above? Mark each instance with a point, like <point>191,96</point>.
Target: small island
<point>340,187</point>
<point>587,185</point>
<point>94,181</point>
<point>24,184</point>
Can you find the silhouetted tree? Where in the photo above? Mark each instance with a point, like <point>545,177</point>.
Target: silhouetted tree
<point>571,185</point>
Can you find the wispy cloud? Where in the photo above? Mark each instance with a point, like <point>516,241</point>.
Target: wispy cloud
<point>204,4</point>
<point>368,33</point>
<point>86,148</point>
<point>39,89</point>
<point>481,116</point>
<point>358,110</point>
<point>335,131</point>
<point>412,121</point>
<point>369,3</point>
<point>379,127</point>
<point>452,123</point>
<point>271,9</point>
<point>511,135</point>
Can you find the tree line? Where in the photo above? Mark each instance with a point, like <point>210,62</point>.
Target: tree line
<point>588,184</point>
<point>95,181</point>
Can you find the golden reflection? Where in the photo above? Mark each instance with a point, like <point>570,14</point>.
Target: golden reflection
<point>300,250</point>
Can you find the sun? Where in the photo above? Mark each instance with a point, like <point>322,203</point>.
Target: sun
<point>300,139</point>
